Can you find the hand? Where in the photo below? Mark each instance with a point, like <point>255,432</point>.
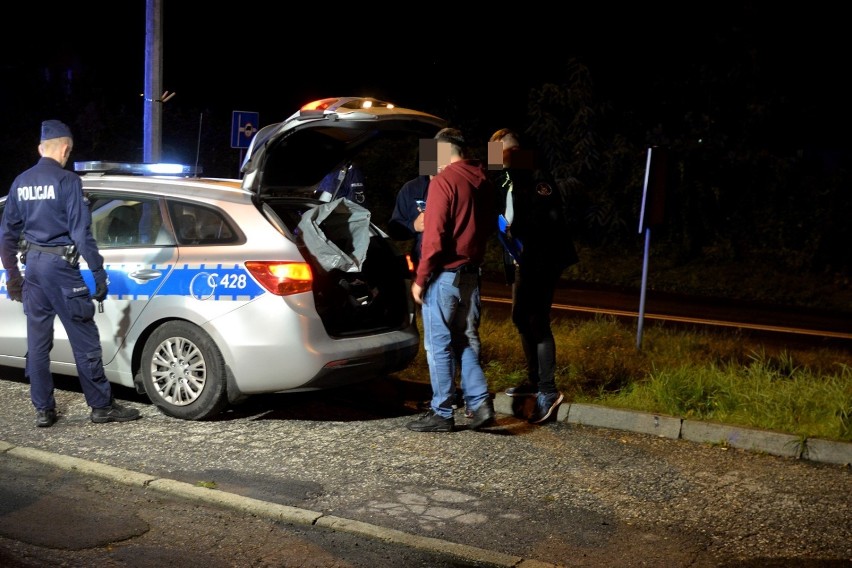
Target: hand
<point>15,287</point>
<point>101,291</point>
<point>417,293</point>
<point>418,223</point>
<point>101,282</point>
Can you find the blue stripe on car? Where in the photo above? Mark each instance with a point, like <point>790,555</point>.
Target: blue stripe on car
<point>202,282</point>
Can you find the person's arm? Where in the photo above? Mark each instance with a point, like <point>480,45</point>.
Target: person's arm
<point>11,226</point>
<point>80,229</point>
<point>80,223</point>
<point>434,230</point>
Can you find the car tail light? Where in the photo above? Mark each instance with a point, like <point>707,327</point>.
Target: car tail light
<point>282,278</point>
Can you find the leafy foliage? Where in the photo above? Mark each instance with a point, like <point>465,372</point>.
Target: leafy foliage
<point>738,187</point>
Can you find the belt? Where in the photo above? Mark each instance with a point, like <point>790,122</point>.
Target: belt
<point>60,250</point>
<point>464,269</point>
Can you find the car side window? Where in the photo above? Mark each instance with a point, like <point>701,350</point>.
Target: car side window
<point>196,225</point>
<point>128,222</point>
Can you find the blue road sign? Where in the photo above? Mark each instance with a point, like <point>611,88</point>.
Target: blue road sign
<point>244,126</point>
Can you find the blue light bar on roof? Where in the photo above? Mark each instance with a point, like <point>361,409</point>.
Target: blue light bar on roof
<point>137,169</point>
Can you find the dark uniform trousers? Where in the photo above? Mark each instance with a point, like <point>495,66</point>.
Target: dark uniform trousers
<point>532,298</point>
<point>55,288</point>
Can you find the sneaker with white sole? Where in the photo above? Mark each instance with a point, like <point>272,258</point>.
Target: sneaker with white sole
<point>545,404</point>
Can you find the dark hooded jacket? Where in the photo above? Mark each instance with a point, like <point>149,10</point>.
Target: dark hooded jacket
<point>541,222</point>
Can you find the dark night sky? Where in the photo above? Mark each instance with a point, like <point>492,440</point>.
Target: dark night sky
<point>245,58</point>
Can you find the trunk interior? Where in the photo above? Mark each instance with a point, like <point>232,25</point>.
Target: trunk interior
<point>373,299</point>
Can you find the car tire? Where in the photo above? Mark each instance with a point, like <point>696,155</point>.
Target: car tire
<point>183,372</point>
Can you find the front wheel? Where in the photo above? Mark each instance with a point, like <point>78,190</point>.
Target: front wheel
<point>183,372</point>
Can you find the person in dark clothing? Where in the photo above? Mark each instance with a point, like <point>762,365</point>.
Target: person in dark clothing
<point>536,235</point>
<point>406,222</point>
<point>459,221</point>
<point>47,220</point>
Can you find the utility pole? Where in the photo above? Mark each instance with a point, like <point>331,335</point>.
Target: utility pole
<point>152,99</point>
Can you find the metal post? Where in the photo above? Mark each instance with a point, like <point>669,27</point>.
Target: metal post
<point>153,107</point>
<point>644,287</point>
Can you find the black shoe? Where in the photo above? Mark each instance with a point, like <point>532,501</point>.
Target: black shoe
<point>432,422</point>
<point>545,404</point>
<point>526,388</point>
<point>483,416</point>
<point>45,418</point>
<point>114,413</point>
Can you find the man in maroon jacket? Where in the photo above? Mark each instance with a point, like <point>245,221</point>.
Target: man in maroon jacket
<point>458,222</point>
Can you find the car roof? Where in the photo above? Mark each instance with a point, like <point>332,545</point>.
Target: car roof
<point>321,136</point>
<point>99,176</point>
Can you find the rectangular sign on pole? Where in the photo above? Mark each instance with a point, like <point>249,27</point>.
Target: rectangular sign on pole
<point>654,194</point>
<point>244,125</point>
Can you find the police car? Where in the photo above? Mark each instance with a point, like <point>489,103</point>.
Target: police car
<point>224,288</point>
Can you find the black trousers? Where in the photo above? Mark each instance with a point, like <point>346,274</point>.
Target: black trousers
<point>532,299</point>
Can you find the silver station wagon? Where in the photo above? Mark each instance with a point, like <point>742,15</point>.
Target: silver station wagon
<point>221,289</point>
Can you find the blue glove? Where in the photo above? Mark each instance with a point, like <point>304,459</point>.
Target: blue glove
<point>101,282</point>
<point>15,287</point>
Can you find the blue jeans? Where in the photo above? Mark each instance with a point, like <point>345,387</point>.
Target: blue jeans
<point>451,314</point>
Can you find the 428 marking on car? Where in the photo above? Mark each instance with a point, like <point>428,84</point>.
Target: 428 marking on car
<point>202,282</point>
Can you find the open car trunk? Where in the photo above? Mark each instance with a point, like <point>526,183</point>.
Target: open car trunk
<point>352,297</point>
<point>361,279</point>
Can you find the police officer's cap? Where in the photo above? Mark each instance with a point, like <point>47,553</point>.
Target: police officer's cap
<point>54,129</point>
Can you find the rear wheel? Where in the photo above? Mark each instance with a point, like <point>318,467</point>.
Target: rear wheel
<point>183,371</point>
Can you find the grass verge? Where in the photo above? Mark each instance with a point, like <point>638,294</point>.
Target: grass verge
<point>701,375</point>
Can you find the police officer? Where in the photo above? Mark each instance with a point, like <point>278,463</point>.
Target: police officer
<point>47,220</point>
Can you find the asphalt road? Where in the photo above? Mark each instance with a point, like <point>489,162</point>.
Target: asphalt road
<point>376,494</point>
<point>54,516</point>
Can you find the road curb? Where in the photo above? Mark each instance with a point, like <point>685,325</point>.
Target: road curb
<point>423,543</point>
<point>751,439</point>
